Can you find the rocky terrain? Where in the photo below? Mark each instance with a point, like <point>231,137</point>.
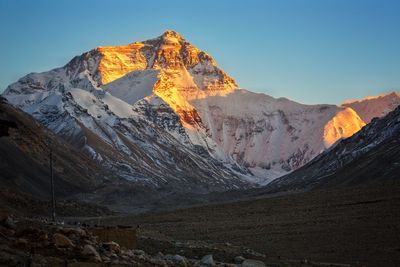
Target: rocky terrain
<point>34,242</point>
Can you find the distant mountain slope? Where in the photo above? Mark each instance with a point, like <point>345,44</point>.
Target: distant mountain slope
<point>374,106</point>
<point>371,155</point>
<point>273,136</point>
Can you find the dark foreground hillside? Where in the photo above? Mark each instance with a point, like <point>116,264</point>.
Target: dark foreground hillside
<point>357,226</point>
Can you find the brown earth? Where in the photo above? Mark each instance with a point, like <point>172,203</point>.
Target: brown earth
<point>357,226</point>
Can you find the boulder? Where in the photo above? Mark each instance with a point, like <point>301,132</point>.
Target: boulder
<point>157,262</point>
<point>176,259</point>
<point>42,236</point>
<point>114,256</point>
<point>239,259</point>
<point>89,252</point>
<point>105,258</point>
<point>9,223</point>
<point>253,263</point>
<point>128,253</point>
<point>207,260</point>
<point>62,241</point>
<point>138,252</point>
<point>73,231</point>
<point>112,247</point>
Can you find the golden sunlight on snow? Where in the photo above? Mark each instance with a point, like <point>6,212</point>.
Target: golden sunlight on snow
<point>344,124</point>
<point>369,98</point>
<point>117,61</point>
<point>185,72</point>
<point>177,88</point>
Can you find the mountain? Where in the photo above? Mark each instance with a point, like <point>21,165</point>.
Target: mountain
<point>25,147</point>
<point>144,143</point>
<point>369,156</point>
<point>161,113</point>
<point>81,183</point>
<point>374,106</point>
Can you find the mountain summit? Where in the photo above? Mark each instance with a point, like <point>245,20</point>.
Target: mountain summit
<point>168,66</point>
<point>161,112</point>
<point>169,51</point>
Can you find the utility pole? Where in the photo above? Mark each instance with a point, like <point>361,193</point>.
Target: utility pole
<point>53,200</point>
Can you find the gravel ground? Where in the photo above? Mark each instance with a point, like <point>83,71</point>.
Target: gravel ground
<point>357,226</point>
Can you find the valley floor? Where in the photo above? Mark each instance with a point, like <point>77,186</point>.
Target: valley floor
<point>357,226</point>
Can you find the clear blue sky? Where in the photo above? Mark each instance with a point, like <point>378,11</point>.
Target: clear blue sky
<point>312,51</point>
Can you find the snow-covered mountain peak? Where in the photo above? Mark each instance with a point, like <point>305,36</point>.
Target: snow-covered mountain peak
<point>167,66</point>
<point>172,37</point>
<point>169,51</point>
